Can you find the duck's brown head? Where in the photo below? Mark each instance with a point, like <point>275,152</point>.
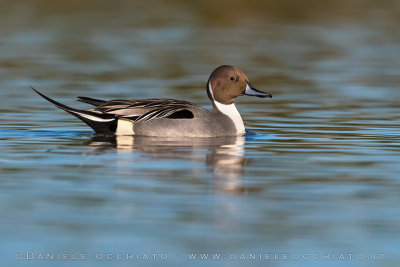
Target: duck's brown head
<point>228,82</point>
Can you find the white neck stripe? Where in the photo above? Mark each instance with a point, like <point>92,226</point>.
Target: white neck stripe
<point>210,90</point>
<point>230,111</point>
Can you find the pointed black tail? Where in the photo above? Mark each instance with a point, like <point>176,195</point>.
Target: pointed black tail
<point>99,122</point>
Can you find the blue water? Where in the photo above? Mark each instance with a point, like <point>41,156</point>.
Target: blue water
<point>315,181</point>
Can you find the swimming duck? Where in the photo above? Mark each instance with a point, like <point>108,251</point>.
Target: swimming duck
<point>170,117</point>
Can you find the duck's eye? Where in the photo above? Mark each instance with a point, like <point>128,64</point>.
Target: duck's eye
<point>233,78</point>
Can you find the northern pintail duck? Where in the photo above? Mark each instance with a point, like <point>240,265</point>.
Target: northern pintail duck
<point>170,117</point>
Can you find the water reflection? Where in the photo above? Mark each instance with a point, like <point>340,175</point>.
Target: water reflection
<point>225,155</point>
<point>328,169</point>
<point>227,161</point>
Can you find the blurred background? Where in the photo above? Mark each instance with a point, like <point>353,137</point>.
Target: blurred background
<point>321,174</point>
<point>348,44</point>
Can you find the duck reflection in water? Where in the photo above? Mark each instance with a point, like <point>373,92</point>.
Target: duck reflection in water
<point>225,155</point>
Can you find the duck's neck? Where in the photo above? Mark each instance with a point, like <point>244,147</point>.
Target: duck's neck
<point>231,111</point>
<point>226,109</point>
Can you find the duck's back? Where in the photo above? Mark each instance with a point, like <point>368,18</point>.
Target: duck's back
<point>164,117</point>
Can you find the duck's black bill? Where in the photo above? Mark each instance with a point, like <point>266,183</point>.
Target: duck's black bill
<point>251,91</point>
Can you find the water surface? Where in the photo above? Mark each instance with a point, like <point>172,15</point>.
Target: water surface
<point>318,174</point>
